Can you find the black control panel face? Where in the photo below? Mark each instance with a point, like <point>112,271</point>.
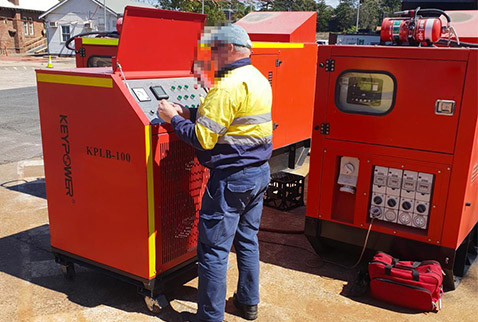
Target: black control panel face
<point>365,91</point>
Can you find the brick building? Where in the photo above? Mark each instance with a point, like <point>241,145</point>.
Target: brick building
<point>72,17</point>
<point>21,30</point>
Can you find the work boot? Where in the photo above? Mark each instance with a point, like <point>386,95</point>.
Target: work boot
<point>248,312</point>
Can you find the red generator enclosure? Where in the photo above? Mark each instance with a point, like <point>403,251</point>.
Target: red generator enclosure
<point>123,191</point>
<point>395,140</point>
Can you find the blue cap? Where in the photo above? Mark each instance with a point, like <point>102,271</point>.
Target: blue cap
<point>229,34</point>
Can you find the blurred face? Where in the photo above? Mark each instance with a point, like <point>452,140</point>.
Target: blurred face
<point>221,54</point>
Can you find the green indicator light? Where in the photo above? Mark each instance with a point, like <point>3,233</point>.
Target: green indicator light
<point>180,97</point>
<point>179,87</point>
<point>173,87</point>
<point>193,96</point>
<point>186,106</point>
<point>192,105</point>
<point>186,97</point>
<point>186,86</point>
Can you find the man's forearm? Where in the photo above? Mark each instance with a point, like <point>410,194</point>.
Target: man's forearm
<point>185,130</point>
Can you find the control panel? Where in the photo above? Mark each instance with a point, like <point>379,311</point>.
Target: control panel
<point>185,91</point>
<point>401,196</point>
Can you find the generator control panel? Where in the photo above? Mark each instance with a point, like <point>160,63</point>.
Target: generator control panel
<point>401,196</point>
<point>365,92</point>
<point>184,91</point>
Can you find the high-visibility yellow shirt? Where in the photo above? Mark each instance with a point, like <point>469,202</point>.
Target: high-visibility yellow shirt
<point>233,126</point>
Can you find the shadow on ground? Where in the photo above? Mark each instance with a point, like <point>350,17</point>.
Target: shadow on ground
<point>27,255</point>
<point>34,188</point>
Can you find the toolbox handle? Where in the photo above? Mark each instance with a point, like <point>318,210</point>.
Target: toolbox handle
<point>415,273</point>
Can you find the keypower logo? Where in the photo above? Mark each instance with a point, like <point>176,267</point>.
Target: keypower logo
<point>65,143</point>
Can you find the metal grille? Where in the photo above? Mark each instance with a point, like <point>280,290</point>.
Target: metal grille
<point>181,179</point>
<point>474,174</point>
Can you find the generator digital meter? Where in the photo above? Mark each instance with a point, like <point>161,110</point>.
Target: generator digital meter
<point>365,92</point>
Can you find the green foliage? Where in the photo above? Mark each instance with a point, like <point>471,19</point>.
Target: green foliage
<point>213,9</point>
<point>342,18</point>
<point>294,5</point>
<point>324,16</point>
<point>369,15</point>
<point>388,7</point>
<point>345,15</point>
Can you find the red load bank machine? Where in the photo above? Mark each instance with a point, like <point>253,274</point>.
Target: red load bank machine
<point>395,139</point>
<point>123,191</point>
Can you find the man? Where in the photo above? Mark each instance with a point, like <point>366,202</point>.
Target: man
<point>232,134</point>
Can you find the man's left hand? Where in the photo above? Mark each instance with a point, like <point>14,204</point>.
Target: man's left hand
<point>166,111</point>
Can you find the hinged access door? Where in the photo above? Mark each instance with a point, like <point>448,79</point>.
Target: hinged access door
<point>392,101</point>
<point>158,40</point>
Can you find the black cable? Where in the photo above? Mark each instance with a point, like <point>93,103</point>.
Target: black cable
<point>112,34</point>
<point>455,43</point>
<point>281,231</point>
<point>435,13</point>
<point>322,259</point>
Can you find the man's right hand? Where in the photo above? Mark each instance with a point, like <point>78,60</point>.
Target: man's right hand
<point>182,111</point>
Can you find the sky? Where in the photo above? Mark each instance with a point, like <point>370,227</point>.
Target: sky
<point>332,3</point>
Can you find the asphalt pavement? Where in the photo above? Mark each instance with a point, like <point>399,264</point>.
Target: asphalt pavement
<point>20,136</point>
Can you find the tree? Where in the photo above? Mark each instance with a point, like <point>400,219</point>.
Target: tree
<point>345,15</point>
<point>388,7</point>
<point>324,16</point>
<point>294,5</point>
<point>369,15</point>
<point>214,9</point>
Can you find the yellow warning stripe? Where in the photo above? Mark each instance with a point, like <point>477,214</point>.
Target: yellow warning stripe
<point>257,44</point>
<point>151,227</point>
<point>100,41</point>
<point>75,80</point>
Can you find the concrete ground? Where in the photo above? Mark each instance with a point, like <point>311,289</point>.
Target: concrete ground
<point>295,284</point>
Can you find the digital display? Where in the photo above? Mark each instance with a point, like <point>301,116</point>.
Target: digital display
<point>159,93</point>
<point>364,91</point>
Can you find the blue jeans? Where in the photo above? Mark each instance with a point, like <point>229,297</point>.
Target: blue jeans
<point>230,214</point>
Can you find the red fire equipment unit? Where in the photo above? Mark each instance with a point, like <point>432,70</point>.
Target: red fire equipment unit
<point>395,146</point>
<point>123,190</point>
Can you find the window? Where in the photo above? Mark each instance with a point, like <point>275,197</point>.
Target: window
<point>99,61</point>
<point>32,30</point>
<point>25,28</point>
<point>65,33</point>
<point>365,92</point>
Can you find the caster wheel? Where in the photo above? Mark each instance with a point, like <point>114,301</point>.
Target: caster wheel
<point>156,304</point>
<point>68,271</point>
